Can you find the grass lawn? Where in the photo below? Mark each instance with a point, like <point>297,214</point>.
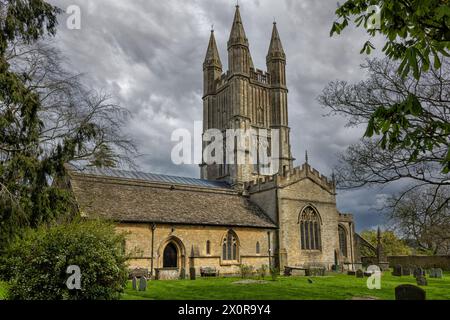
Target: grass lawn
<point>334,287</point>
<point>3,290</point>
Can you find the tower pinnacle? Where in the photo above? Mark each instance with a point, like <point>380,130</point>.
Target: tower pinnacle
<point>212,58</point>
<point>276,50</point>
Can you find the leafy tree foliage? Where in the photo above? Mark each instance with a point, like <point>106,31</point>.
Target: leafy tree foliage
<point>36,263</point>
<point>392,245</point>
<point>423,215</point>
<point>47,119</point>
<point>367,163</point>
<point>417,35</point>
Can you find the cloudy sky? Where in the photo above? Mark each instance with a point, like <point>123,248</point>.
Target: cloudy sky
<point>149,55</point>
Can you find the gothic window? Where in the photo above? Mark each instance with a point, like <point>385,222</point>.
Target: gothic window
<point>258,248</point>
<point>343,241</point>
<point>230,247</point>
<point>208,247</point>
<point>310,233</point>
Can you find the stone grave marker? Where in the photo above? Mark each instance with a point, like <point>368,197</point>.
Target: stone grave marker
<point>134,283</point>
<point>142,284</point>
<point>192,273</point>
<point>406,271</point>
<point>436,273</point>
<point>422,281</point>
<point>351,273</point>
<point>418,272</point>
<point>359,273</point>
<point>398,271</point>
<point>409,292</point>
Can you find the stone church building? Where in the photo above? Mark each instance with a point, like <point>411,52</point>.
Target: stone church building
<point>234,215</point>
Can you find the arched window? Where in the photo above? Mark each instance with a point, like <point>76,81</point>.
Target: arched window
<point>342,241</point>
<point>230,247</point>
<point>208,247</point>
<point>310,232</point>
<point>258,248</point>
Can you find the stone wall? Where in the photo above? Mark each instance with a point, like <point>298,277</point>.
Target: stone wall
<point>191,244</point>
<point>426,262</point>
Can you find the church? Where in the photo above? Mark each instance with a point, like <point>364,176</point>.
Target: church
<point>235,214</point>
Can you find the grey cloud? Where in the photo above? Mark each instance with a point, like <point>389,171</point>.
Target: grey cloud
<point>149,54</point>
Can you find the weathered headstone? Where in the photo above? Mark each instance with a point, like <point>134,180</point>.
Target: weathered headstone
<point>142,284</point>
<point>134,283</point>
<point>422,281</point>
<point>359,274</point>
<point>351,273</point>
<point>418,272</point>
<point>398,271</point>
<point>409,292</point>
<point>192,273</point>
<point>368,274</point>
<point>406,271</point>
<point>436,273</point>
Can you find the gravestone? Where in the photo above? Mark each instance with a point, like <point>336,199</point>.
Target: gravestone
<point>418,272</point>
<point>192,273</point>
<point>406,271</point>
<point>142,284</point>
<point>422,281</point>
<point>359,274</point>
<point>409,292</point>
<point>398,271</point>
<point>351,273</point>
<point>368,274</point>
<point>134,283</point>
<point>436,273</point>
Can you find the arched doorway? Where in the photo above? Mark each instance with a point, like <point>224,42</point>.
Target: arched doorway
<point>170,256</point>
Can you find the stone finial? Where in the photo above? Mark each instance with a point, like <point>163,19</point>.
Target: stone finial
<point>306,157</point>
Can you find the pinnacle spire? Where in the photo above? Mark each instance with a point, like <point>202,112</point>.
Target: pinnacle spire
<point>237,35</point>
<point>276,48</point>
<point>212,54</point>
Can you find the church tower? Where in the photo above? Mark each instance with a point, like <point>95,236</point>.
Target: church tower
<point>245,98</point>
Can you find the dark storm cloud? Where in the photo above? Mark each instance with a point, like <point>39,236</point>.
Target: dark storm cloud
<point>149,55</point>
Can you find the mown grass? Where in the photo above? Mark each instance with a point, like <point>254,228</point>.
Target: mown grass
<point>333,287</point>
<point>3,290</point>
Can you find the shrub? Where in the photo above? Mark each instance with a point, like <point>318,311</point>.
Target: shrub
<point>36,264</point>
<point>274,273</point>
<point>245,270</point>
<point>262,272</point>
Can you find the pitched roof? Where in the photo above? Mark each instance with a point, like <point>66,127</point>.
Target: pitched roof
<point>146,198</point>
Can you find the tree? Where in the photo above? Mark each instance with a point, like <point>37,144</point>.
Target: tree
<point>392,245</point>
<point>417,32</point>
<point>368,163</point>
<point>47,119</point>
<point>35,264</point>
<point>423,215</point>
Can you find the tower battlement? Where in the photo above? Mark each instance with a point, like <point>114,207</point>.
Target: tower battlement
<point>294,175</point>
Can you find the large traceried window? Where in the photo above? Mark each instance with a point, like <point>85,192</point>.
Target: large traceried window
<point>342,241</point>
<point>230,248</point>
<point>310,232</point>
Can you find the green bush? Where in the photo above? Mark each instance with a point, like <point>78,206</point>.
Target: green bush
<point>246,271</point>
<point>274,273</point>
<point>36,263</point>
<point>262,272</point>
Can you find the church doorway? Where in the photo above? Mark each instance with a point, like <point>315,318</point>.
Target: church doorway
<point>170,256</point>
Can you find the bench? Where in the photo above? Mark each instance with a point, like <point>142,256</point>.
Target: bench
<point>208,272</point>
